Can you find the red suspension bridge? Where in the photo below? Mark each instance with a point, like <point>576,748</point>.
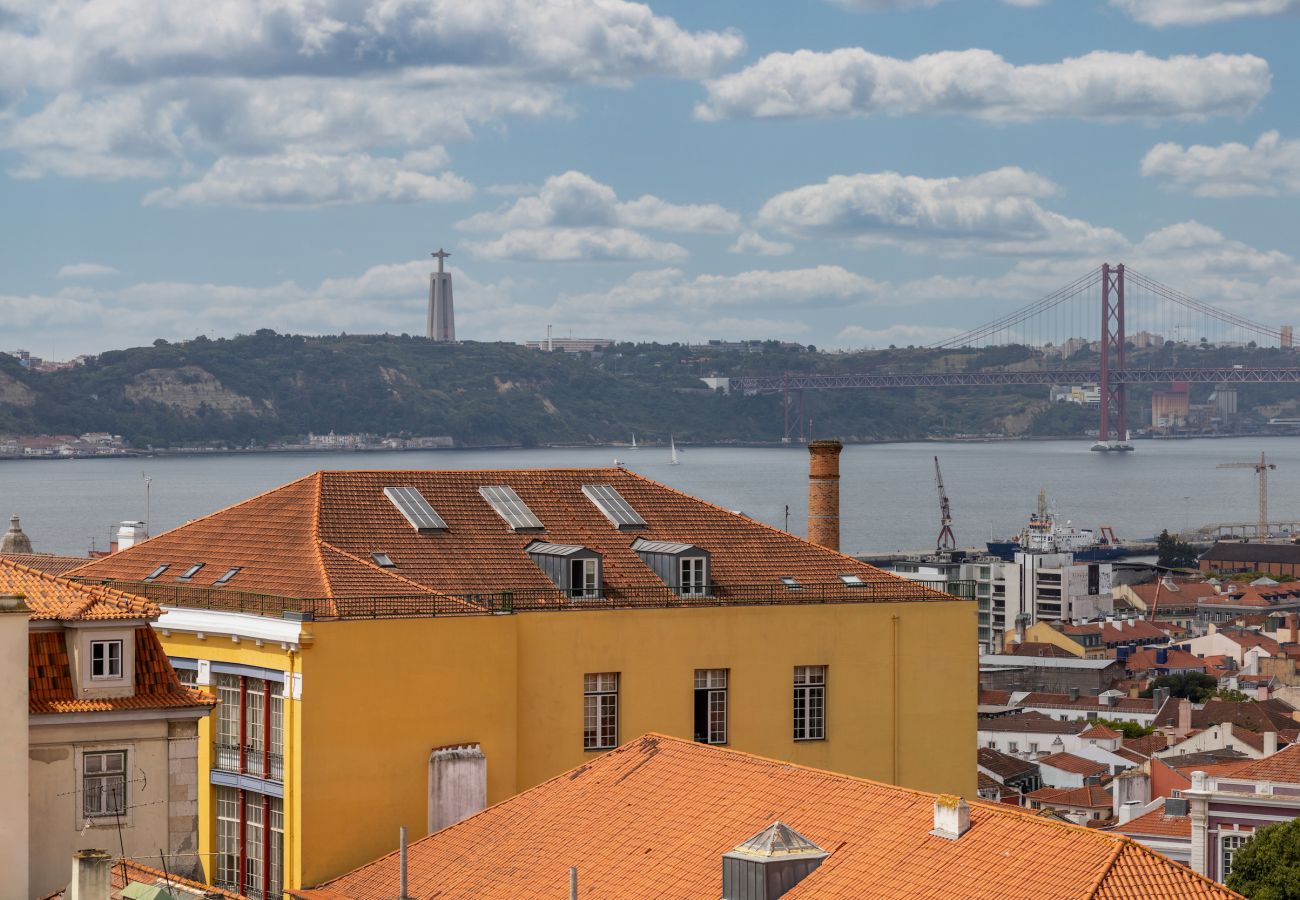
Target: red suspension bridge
<point>1128,310</point>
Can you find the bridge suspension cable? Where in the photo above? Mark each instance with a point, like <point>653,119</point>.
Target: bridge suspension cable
<point>1175,296</point>
<point>1037,308</point>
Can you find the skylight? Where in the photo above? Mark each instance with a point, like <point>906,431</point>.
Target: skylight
<point>508,506</point>
<point>853,580</point>
<point>228,574</point>
<point>383,560</point>
<point>190,572</point>
<point>416,510</point>
<point>156,572</point>
<point>791,582</point>
<point>613,506</point>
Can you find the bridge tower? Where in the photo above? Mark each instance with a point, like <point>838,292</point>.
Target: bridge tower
<point>1114,396</point>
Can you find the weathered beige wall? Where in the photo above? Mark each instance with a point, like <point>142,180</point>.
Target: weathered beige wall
<point>58,828</point>
<point>13,747</point>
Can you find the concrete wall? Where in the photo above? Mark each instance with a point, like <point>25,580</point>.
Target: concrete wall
<point>14,836</point>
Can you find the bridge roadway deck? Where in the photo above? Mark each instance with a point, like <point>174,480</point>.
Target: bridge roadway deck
<point>796,381</point>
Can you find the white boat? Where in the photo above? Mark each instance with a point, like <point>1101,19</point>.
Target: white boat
<point>634,440</point>
<point>672,452</point>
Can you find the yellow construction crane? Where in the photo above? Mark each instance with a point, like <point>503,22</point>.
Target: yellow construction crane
<point>1261,469</point>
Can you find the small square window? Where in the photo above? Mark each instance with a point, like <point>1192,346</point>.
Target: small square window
<point>105,659</point>
<point>853,580</point>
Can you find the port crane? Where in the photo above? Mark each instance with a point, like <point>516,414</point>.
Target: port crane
<point>1261,469</point>
<point>946,539</point>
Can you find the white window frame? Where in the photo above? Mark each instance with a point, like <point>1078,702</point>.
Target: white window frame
<point>693,576</point>
<point>1229,844</point>
<point>589,588</point>
<point>810,703</point>
<point>228,838</point>
<point>111,667</point>
<point>103,781</point>
<point>715,682</point>
<point>600,710</point>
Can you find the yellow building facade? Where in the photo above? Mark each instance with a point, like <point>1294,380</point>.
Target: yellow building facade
<point>369,700</point>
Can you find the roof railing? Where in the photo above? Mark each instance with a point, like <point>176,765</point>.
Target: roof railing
<point>531,599</point>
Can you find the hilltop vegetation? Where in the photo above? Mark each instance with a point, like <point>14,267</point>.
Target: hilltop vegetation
<point>266,387</point>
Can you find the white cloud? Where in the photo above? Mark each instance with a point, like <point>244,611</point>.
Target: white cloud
<point>301,178</point>
<point>1270,168</point>
<point>858,337</point>
<point>993,212</point>
<point>86,270</point>
<point>979,83</point>
<point>1202,12</point>
<point>751,242</point>
<point>576,245</point>
<point>576,200</point>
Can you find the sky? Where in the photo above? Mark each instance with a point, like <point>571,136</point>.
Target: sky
<point>846,173</point>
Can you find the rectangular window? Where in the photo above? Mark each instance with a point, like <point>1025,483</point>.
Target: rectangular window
<point>692,576</point>
<point>600,711</point>
<point>227,867</point>
<point>103,783</point>
<point>711,706</point>
<point>1228,846</point>
<point>584,578</point>
<point>255,727</point>
<point>277,736</point>
<point>275,849</point>
<point>1033,747</point>
<point>105,659</point>
<point>809,703</point>
<point>227,747</point>
<point>253,839</point>
<point>188,677</point>
<point>1014,747</point>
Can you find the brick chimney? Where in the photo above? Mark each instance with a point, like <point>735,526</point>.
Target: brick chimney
<point>1184,719</point>
<point>824,493</point>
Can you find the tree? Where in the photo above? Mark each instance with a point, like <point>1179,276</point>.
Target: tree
<point>1195,686</point>
<point>1267,867</point>
<point>1173,553</point>
<point>1128,729</point>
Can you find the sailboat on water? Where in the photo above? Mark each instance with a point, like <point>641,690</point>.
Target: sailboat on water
<point>672,452</point>
<point>634,440</point>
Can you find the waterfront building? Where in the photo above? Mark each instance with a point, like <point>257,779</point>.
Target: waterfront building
<point>442,315</point>
<point>660,816</point>
<point>102,738</point>
<point>570,344</point>
<point>402,647</point>
<point>1252,556</point>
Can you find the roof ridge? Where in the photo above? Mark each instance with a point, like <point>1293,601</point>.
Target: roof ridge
<point>1106,869</point>
<point>315,534</point>
<point>1130,845</point>
<point>772,528</point>
<point>423,588</point>
<point>94,593</point>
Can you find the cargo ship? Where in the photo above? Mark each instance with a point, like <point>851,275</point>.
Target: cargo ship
<point>1044,534</point>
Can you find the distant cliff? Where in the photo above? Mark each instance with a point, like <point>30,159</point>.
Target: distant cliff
<point>264,388</point>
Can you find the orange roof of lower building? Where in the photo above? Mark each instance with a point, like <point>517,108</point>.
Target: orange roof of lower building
<point>1282,766</point>
<point>126,872</point>
<point>51,597</point>
<point>1090,796</point>
<point>1157,824</point>
<point>653,818</point>
<point>1068,762</point>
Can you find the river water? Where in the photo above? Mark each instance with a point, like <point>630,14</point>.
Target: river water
<point>888,495</point>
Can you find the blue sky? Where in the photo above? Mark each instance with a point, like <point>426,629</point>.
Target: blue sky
<point>842,172</point>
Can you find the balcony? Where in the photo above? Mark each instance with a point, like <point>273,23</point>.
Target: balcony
<point>250,761</point>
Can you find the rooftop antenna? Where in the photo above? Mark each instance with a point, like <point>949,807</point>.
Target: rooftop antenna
<point>148,483</point>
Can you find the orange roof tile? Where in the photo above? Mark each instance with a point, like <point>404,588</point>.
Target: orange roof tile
<point>1101,733</point>
<point>313,538</point>
<point>1145,659</point>
<point>1068,762</point>
<point>51,597</point>
<point>1147,745</point>
<point>1157,824</point>
<point>125,872</point>
<point>45,562</point>
<point>653,818</point>
<point>1283,766</point>
<point>49,678</point>
<point>1090,796</point>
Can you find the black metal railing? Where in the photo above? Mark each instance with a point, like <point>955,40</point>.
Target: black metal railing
<point>228,757</point>
<point>513,600</point>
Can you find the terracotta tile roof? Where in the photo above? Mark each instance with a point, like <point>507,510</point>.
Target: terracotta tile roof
<point>1101,733</point>
<point>313,538</point>
<point>1090,796</point>
<point>1244,551</point>
<point>1145,659</point>
<point>985,784</point>
<point>1247,640</point>
<point>1147,745</point>
<point>1186,591</point>
<point>1118,632</point>
<point>1254,715</point>
<point>653,818</point>
<point>1039,648</point>
<point>1157,824</point>
<point>1131,755</point>
<point>49,675</point>
<point>1283,766</point>
<point>51,597</point>
<point>126,872</point>
<point>1004,765</point>
<point>1030,721</point>
<point>46,562</point>
<point>1068,762</point>
<point>994,698</point>
<point>1063,701</point>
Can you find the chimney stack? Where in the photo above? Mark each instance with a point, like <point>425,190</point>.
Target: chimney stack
<point>1270,743</point>
<point>951,817</point>
<point>1184,718</point>
<point>91,875</point>
<point>824,494</point>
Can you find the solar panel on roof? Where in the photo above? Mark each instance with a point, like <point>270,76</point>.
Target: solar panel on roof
<point>508,506</point>
<point>412,505</point>
<point>611,503</point>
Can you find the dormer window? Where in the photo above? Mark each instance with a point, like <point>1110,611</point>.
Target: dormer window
<point>573,568</point>
<point>683,567</point>
<point>190,572</point>
<point>105,659</point>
